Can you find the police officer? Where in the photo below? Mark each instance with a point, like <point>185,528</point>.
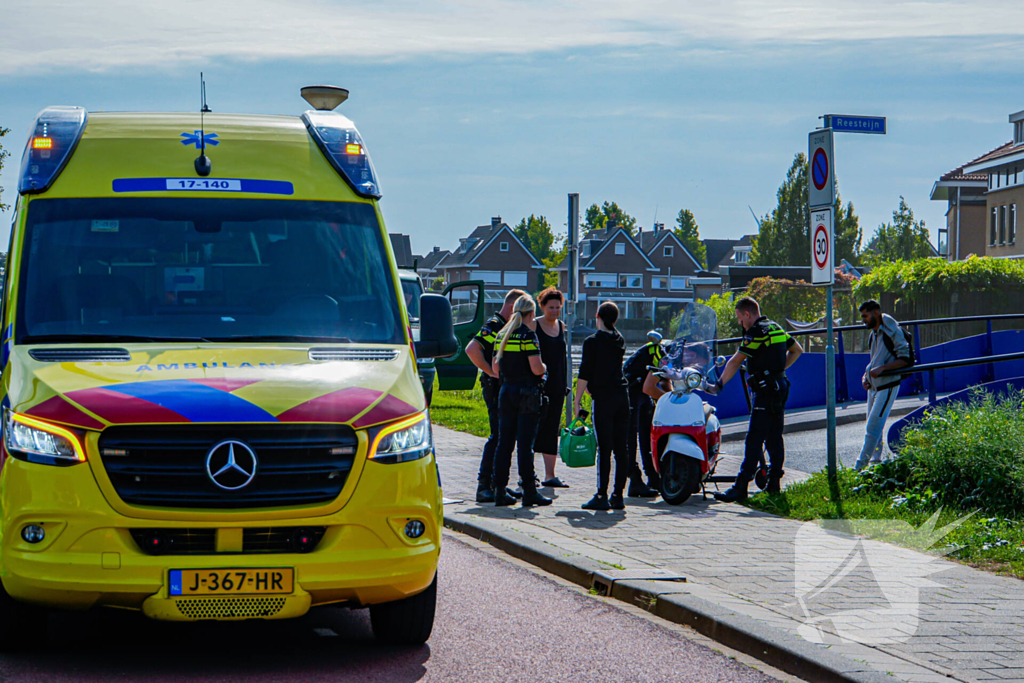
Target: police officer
<point>481,352</point>
<point>641,414</point>
<point>768,350</point>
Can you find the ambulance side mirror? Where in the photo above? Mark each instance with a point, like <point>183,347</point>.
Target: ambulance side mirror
<point>437,331</point>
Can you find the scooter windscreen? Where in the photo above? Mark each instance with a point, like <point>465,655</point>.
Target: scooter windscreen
<point>693,348</point>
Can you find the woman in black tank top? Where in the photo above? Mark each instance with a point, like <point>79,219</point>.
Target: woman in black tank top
<point>553,353</point>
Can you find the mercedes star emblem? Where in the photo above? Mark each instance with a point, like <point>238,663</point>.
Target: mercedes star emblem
<point>231,465</point>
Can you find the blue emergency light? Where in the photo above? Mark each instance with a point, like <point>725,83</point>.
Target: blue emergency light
<point>50,145</point>
<point>340,143</point>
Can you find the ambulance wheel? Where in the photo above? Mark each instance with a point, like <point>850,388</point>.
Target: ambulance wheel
<point>680,476</point>
<point>22,626</point>
<point>405,622</point>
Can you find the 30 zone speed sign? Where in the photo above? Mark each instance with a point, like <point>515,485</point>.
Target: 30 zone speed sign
<point>823,270</point>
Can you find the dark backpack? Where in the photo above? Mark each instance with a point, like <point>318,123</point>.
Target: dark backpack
<point>891,345</point>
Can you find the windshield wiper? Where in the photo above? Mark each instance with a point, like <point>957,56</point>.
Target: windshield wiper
<point>106,339</point>
<point>283,338</point>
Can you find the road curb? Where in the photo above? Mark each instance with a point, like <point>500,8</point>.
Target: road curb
<point>787,653</point>
<point>814,424</point>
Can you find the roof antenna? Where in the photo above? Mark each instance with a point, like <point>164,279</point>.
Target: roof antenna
<point>203,163</point>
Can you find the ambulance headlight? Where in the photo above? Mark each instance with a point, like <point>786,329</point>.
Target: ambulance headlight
<point>402,441</point>
<point>27,438</point>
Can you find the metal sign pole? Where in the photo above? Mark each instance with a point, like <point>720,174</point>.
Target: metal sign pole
<point>571,295</point>
<point>830,386</point>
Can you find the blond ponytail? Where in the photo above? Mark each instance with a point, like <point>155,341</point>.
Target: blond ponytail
<point>524,304</point>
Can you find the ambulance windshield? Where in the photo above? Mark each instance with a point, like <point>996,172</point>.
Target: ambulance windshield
<point>197,269</point>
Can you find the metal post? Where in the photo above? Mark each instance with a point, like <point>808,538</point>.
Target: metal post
<point>842,390</point>
<point>571,296</point>
<point>830,385</point>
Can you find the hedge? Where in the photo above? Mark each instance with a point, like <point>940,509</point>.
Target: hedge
<point>922,278</point>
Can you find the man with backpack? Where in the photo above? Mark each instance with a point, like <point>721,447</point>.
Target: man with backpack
<point>891,349</point>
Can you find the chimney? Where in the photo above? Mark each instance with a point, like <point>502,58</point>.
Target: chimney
<point>437,249</point>
<point>495,221</point>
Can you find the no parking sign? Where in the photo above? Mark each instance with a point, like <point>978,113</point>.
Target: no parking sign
<point>823,270</point>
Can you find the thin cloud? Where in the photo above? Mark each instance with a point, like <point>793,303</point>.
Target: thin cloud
<point>128,33</point>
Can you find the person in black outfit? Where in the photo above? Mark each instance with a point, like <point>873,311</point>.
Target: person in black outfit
<point>641,414</point>
<point>481,352</point>
<point>520,401</point>
<point>601,375</point>
<point>551,335</point>
<point>767,350</point>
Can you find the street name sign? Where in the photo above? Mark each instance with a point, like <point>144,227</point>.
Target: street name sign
<point>823,244</point>
<point>822,174</point>
<point>841,123</point>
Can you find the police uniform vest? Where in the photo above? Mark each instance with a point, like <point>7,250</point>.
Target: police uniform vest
<point>635,367</point>
<point>765,345</point>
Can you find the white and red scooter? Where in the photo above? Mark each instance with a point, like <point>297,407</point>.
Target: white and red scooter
<point>686,433</point>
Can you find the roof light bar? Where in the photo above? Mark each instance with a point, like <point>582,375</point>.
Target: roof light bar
<point>340,143</point>
<point>50,145</point>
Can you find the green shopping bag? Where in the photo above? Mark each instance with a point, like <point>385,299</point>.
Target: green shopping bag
<point>578,451</point>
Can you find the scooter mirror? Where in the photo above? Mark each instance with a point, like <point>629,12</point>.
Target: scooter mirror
<point>720,361</point>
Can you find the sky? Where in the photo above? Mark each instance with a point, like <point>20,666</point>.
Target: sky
<point>474,109</point>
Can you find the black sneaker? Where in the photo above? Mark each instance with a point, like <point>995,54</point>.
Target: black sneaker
<point>733,495</point>
<point>638,489</point>
<point>515,493</point>
<point>502,499</point>
<point>555,483</point>
<point>485,495</point>
<point>598,502</point>
<point>531,498</point>
<point>616,502</point>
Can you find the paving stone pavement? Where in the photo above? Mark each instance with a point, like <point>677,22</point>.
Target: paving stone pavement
<point>956,623</point>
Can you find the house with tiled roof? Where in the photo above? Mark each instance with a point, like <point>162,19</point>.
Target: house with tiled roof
<point>648,276</point>
<point>728,252</point>
<point>966,230</point>
<point>492,253</point>
<point>998,176</point>
<point>429,265</point>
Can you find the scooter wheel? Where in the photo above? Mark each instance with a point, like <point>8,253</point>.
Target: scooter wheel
<point>680,477</point>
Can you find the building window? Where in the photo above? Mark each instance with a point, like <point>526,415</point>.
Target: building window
<point>668,252</point>
<point>1002,225</point>
<point>1013,224</point>
<point>631,281</point>
<point>679,282</point>
<point>740,257</point>
<point>620,248</point>
<point>658,282</point>
<point>515,278</point>
<point>601,280</point>
<point>992,229</point>
<point>585,249</point>
<point>502,246</point>
<point>490,277</point>
<point>1018,132</point>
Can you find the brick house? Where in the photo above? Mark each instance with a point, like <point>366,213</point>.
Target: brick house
<point>429,266</point>
<point>494,254</point>
<point>649,277</point>
<point>1004,192</point>
<point>966,230</point>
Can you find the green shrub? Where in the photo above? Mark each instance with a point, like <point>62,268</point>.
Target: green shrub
<point>937,277</point>
<point>966,454</point>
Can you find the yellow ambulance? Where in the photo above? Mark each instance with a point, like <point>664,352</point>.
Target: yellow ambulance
<point>211,407</point>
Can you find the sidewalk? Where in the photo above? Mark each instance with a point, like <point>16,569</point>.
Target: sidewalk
<point>810,419</point>
<point>740,579</point>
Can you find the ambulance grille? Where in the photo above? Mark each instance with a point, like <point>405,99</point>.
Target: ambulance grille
<point>353,354</point>
<point>80,355</point>
<point>165,466</point>
<point>229,608</point>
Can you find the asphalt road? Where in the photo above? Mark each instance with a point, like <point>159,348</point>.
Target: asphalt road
<point>496,622</point>
<point>806,451</point>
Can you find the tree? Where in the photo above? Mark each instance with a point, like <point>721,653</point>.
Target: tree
<point>904,239</point>
<point>688,233</point>
<point>784,235</point>
<point>3,155</point>
<point>609,215</point>
<point>535,234</point>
